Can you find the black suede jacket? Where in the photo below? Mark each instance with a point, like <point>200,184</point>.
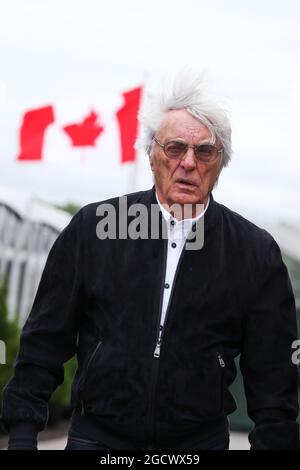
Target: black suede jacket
<point>102,300</point>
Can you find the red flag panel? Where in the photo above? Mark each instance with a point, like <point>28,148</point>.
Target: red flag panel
<point>34,125</point>
<point>128,123</point>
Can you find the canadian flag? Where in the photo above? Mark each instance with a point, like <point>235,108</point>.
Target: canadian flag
<point>81,134</point>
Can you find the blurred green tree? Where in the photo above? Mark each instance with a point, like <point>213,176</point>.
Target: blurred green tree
<point>69,207</point>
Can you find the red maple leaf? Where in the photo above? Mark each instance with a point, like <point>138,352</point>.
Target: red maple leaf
<point>86,132</point>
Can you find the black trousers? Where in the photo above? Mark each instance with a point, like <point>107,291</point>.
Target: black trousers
<point>79,443</point>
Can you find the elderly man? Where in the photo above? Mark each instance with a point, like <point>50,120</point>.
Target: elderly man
<point>157,322</point>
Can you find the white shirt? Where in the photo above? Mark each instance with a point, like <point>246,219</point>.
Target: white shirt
<point>178,231</point>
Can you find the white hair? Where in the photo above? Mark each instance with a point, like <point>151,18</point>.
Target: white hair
<point>187,92</point>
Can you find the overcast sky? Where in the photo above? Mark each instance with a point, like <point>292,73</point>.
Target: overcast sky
<point>78,55</point>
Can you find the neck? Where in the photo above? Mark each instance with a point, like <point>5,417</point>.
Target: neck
<point>184,211</point>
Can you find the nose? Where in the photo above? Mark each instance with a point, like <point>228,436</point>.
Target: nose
<point>188,161</point>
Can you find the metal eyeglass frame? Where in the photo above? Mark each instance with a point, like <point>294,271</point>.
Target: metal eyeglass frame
<point>187,147</point>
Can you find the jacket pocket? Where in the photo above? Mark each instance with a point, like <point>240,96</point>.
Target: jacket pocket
<point>84,376</point>
<point>222,366</point>
<point>212,386</point>
<point>195,390</point>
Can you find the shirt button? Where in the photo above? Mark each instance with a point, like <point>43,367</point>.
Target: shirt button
<point>172,222</point>
<point>173,245</point>
<point>167,285</point>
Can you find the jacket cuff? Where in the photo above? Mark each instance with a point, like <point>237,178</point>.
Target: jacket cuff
<point>275,436</point>
<point>23,436</point>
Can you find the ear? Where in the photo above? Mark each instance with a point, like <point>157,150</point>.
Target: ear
<point>151,164</point>
<point>151,161</point>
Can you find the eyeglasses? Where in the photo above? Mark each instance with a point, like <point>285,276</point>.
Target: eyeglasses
<point>175,150</point>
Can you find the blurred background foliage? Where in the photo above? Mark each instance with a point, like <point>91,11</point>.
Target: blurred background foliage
<point>70,207</point>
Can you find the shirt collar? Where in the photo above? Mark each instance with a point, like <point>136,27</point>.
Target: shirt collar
<point>168,217</point>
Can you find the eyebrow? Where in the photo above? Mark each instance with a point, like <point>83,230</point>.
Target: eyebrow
<point>178,139</point>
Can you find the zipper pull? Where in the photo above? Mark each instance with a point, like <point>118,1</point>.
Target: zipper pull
<point>82,408</point>
<point>221,362</point>
<point>157,347</point>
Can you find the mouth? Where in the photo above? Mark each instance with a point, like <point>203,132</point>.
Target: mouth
<point>185,182</point>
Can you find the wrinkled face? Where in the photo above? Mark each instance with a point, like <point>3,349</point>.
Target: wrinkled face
<point>183,181</point>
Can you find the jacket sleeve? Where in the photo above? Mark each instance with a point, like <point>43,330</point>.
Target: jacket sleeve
<point>48,338</point>
<point>269,375</point>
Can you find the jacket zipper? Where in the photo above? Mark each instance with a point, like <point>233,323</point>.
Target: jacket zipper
<point>158,342</point>
<point>221,361</point>
<point>159,337</point>
<point>82,381</point>
<point>222,366</point>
